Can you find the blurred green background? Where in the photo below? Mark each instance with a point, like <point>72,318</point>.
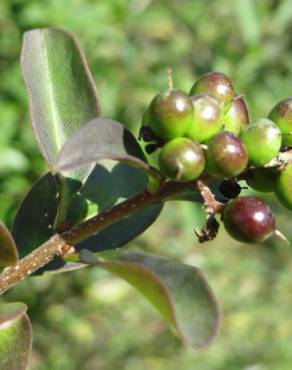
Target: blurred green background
<point>88,319</point>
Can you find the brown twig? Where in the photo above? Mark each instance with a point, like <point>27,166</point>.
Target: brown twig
<point>211,206</point>
<point>62,244</point>
<point>281,160</point>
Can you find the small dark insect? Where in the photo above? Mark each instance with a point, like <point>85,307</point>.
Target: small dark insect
<point>230,189</point>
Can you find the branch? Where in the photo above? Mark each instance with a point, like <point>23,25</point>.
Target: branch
<point>62,244</point>
<point>281,160</point>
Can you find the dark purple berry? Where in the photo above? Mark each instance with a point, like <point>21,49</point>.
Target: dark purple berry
<point>248,219</point>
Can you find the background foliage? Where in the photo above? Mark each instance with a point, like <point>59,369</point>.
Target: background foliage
<point>88,319</point>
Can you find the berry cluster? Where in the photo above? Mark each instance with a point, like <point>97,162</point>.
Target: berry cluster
<point>208,131</point>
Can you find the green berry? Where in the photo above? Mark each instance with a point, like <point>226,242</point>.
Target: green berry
<point>170,114</point>
<point>263,141</point>
<point>281,114</point>
<point>181,159</point>
<point>216,84</point>
<point>226,155</point>
<point>261,179</point>
<point>207,117</point>
<point>283,187</point>
<point>236,118</point>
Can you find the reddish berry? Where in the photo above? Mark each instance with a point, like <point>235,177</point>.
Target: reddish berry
<point>226,155</point>
<point>216,84</point>
<point>236,118</point>
<point>248,219</point>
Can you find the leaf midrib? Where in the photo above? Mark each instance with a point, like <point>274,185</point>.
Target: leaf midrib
<point>55,115</point>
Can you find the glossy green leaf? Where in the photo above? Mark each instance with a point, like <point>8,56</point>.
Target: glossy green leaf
<point>62,95</point>
<point>180,292</point>
<point>35,218</point>
<point>62,98</point>
<point>99,139</point>
<point>15,336</point>
<point>8,250</point>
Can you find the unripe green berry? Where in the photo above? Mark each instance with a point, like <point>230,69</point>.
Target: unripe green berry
<point>281,114</point>
<point>170,114</point>
<point>226,155</point>
<point>236,118</point>
<point>181,159</point>
<point>207,117</point>
<point>261,179</point>
<point>283,187</point>
<point>263,141</point>
<point>216,84</point>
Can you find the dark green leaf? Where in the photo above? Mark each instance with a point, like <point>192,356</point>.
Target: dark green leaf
<point>35,218</point>
<point>15,336</point>
<point>99,139</point>
<point>8,250</point>
<point>108,184</point>
<point>120,233</point>
<point>62,95</point>
<point>104,188</point>
<point>180,292</point>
